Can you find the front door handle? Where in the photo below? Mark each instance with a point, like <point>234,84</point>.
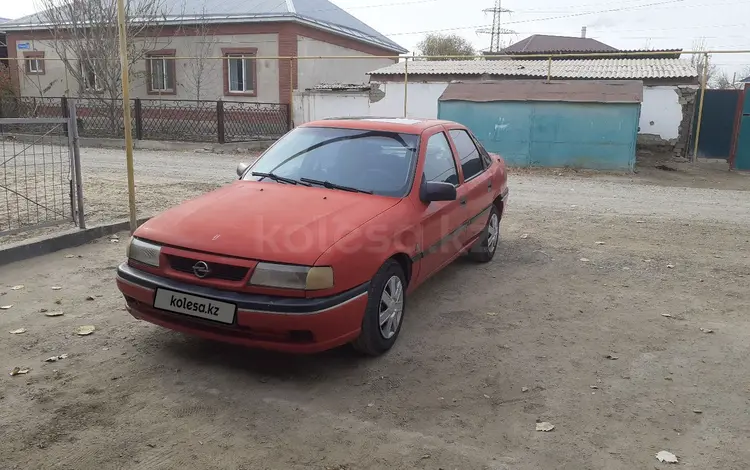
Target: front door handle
<point>463,201</point>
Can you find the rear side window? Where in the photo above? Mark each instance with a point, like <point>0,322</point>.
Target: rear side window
<point>483,151</point>
<point>439,165</point>
<point>471,160</point>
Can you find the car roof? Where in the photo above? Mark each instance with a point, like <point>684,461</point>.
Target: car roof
<point>390,124</point>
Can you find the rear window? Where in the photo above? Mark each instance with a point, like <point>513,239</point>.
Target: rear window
<point>376,161</point>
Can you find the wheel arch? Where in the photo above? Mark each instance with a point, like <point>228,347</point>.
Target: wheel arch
<point>406,264</point>
<point>499,204</point>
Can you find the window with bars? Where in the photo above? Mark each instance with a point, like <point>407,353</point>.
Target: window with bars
<point>240,72</point>
<point>161,72</point>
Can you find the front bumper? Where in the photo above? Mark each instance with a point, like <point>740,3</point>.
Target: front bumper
<point>286,324</point>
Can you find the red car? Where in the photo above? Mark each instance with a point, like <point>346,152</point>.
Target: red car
<point>322,239</point>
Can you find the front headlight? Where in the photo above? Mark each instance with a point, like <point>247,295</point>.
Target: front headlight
<point>144,252</point>
<point>286,276</point>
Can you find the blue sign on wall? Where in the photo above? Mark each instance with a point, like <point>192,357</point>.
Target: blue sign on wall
<point>24,45</point>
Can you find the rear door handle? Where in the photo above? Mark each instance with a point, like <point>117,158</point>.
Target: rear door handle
<point>489,185</point>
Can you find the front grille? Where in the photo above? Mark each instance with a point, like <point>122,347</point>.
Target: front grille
<point>226,272</point>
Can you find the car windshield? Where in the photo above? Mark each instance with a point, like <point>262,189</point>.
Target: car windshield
<point>371,161</point>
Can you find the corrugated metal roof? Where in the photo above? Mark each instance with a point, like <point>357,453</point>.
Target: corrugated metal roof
<point>579,91</point>
<point>603,69</point>
<point>321,13</point>
<point>620,53</point>
<point>538,43</point>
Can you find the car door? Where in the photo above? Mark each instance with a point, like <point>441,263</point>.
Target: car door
<point>477,181</point>
<point>440,221</point>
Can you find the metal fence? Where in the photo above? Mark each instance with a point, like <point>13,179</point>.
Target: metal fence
<point>40,177</point>
<point>157,119</point>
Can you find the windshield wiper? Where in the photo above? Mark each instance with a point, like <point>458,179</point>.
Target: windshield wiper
<point>275,177</point>
<point>329,185</point>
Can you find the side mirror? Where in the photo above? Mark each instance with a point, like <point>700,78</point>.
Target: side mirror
<point>241,169</point>
<point>434,191</point>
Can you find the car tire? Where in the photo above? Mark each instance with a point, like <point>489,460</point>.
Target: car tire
<point>484,248</point>
<point>382,322</point>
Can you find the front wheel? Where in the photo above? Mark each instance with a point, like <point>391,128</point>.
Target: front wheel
<point>484,248</point>
<point>384,312</point>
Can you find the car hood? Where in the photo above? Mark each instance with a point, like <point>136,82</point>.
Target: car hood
<point>265,221</point>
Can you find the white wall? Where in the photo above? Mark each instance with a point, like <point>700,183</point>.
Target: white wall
<point>661,105</point>
<point>313,105</point>
<point>661,112</point>
<point>317,71</point>
<point>422,100</point>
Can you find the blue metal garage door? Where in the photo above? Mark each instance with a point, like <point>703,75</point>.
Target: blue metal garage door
<point>554,134</point>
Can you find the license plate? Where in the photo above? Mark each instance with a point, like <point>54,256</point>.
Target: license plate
<point>195,306</point>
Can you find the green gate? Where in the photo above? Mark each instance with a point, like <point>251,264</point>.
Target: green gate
<point>741,152</point>
<point>717,124</point>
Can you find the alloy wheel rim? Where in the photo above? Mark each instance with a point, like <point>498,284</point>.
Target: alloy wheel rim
<point>391,307</point>
<point>493,231</point>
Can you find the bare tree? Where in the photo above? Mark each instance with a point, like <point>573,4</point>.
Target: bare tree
<point>202,46</point>
<point>698,60</point>
<point>723,81</point>
<point>6,84</point>
<point>85,37</point>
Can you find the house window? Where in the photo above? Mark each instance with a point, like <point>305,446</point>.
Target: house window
<point>240,72</point>
<point>34,63</point>
<point>160,66</point>
<point>89,74</point>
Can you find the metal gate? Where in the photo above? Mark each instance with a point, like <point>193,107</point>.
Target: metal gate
<point>717,123</point>
<point>40,173</point>
<point>741,150</point>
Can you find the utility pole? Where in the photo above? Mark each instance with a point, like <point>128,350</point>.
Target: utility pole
<point>496,31</point>
<point>126,111</point>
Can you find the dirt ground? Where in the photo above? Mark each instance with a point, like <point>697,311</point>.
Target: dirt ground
<point>485,351</point>
<point>165,178</point>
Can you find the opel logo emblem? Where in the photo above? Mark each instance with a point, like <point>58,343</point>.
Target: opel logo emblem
<point>200,269</point>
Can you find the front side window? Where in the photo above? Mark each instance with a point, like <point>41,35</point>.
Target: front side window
<point>241,74</point>
<point>161,70</point>
<point>468,154</point>
<point>439,164</point>
<point>364,160</point>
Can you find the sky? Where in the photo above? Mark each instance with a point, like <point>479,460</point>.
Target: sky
<point>624,24</point>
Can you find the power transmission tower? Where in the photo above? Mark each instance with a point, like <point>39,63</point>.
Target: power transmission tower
<point>496,30</point>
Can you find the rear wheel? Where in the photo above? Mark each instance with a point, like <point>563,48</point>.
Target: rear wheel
<point>384,312</point>
<point>484,248</point>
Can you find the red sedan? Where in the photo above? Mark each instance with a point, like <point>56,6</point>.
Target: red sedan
<point>320,241</point>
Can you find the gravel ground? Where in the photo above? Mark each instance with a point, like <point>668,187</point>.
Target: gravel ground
<point>485,351</point>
